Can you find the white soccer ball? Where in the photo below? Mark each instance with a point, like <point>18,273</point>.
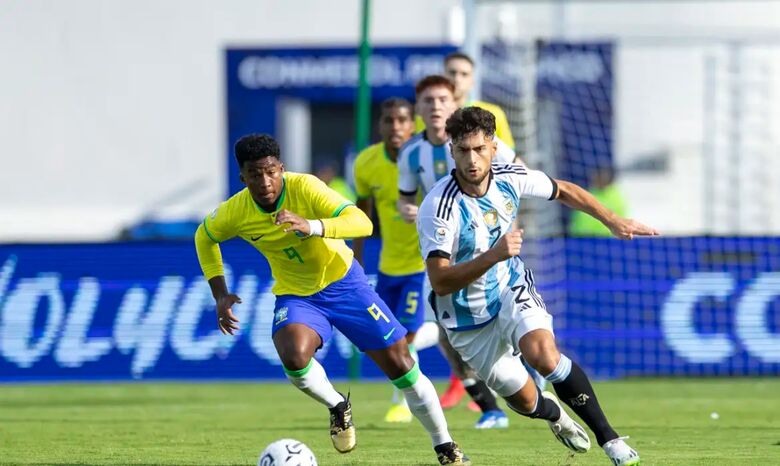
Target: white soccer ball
<point>287,452</point>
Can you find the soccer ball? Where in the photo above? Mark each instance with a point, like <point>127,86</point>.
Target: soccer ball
<point>287,452</point>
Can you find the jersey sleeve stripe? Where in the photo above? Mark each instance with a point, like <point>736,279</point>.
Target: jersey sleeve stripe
<point>442,200</point>
<point>340,208</point>
<point>407,193</point>
<point>451,200</point>
<point>445,203</point>
<point>208,233</point>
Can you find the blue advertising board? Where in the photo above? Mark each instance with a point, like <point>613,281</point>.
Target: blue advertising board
<point>674,306</point>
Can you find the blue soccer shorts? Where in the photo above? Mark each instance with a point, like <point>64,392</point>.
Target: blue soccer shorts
<point>403,295</point>
<point>350,305</point>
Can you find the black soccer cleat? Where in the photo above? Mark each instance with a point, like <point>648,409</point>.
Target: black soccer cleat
<point>450,453</point>
<point>342,431</point>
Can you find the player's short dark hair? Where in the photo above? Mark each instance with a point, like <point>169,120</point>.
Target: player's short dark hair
<point>458,56</point>
<point>433,80</point>
<point>396,102</point>
<point>255,147</point>
<point>470,120</point>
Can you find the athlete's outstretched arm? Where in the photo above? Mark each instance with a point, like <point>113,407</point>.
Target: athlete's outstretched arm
<point>447,278</point>
<point>210,259</point>
<point>350,223</point>
<point>575,197</point>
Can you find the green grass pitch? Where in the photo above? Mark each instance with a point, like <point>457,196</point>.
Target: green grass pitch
<point>230,423</point>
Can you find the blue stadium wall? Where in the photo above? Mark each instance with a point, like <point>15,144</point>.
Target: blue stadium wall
<point>674,306</point>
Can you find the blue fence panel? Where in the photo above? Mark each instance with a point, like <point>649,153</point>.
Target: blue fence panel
<point>692,306</point>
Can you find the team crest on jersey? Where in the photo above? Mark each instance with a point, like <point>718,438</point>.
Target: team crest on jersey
<point>509,206</point>
<point>280,315</point>
<point>440,167</point>
<point>491,217</point>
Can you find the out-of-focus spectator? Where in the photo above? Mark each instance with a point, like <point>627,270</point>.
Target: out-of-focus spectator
<point>329,174</point>
<point>604,189</point>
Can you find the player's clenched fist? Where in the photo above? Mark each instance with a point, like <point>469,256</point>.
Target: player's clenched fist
<point>508,245</point>
<point>407,210</point>
<point>298,224</point>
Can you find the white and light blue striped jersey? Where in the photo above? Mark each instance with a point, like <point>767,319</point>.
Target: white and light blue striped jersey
<point>421,163</point>
<point>459,227</point>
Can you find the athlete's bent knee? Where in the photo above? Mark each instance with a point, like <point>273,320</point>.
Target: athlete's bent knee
<point>542,355</point>
<point>293,361</point>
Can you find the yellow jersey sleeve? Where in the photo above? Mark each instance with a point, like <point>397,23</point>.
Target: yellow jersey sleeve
<point>209,255</point>
<point>220,225</point>
<point>324,201</point>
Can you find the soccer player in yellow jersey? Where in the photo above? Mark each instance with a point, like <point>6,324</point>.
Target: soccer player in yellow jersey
<point>400,278</point>
<point>459,68</point>
<point>299,225</point>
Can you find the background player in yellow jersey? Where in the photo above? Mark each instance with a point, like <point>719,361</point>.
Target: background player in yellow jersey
<point>459,68</point>
<point>299,225</point>
<point>401,268</point>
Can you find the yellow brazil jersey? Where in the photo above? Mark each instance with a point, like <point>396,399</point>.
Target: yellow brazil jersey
<point>377,176</point>
<point>300,266</point>
<point>503,131</point>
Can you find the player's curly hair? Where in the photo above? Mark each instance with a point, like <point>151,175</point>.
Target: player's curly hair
<point>469,120</point>
<point>255,147</point>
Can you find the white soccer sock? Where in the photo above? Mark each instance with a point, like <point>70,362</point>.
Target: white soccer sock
<point>424,404</point>
<point>398,397</point>
<point>427,336</point>
<point>313,381</point>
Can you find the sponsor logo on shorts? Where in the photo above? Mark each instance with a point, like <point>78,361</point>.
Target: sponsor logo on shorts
<point>388,334</point>
<point>280,315</point>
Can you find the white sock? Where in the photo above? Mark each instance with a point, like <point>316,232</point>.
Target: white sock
<point>398,397</point>
<point>427,336</point>
<point>424,404</point>
<point>313,381</point>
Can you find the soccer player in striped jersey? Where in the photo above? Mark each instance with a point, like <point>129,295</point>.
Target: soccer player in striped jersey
<point>459,68</point>
<point>299,225</point>
<point>485,296</point>
<point>424,160</point>
<point>401,268</point>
